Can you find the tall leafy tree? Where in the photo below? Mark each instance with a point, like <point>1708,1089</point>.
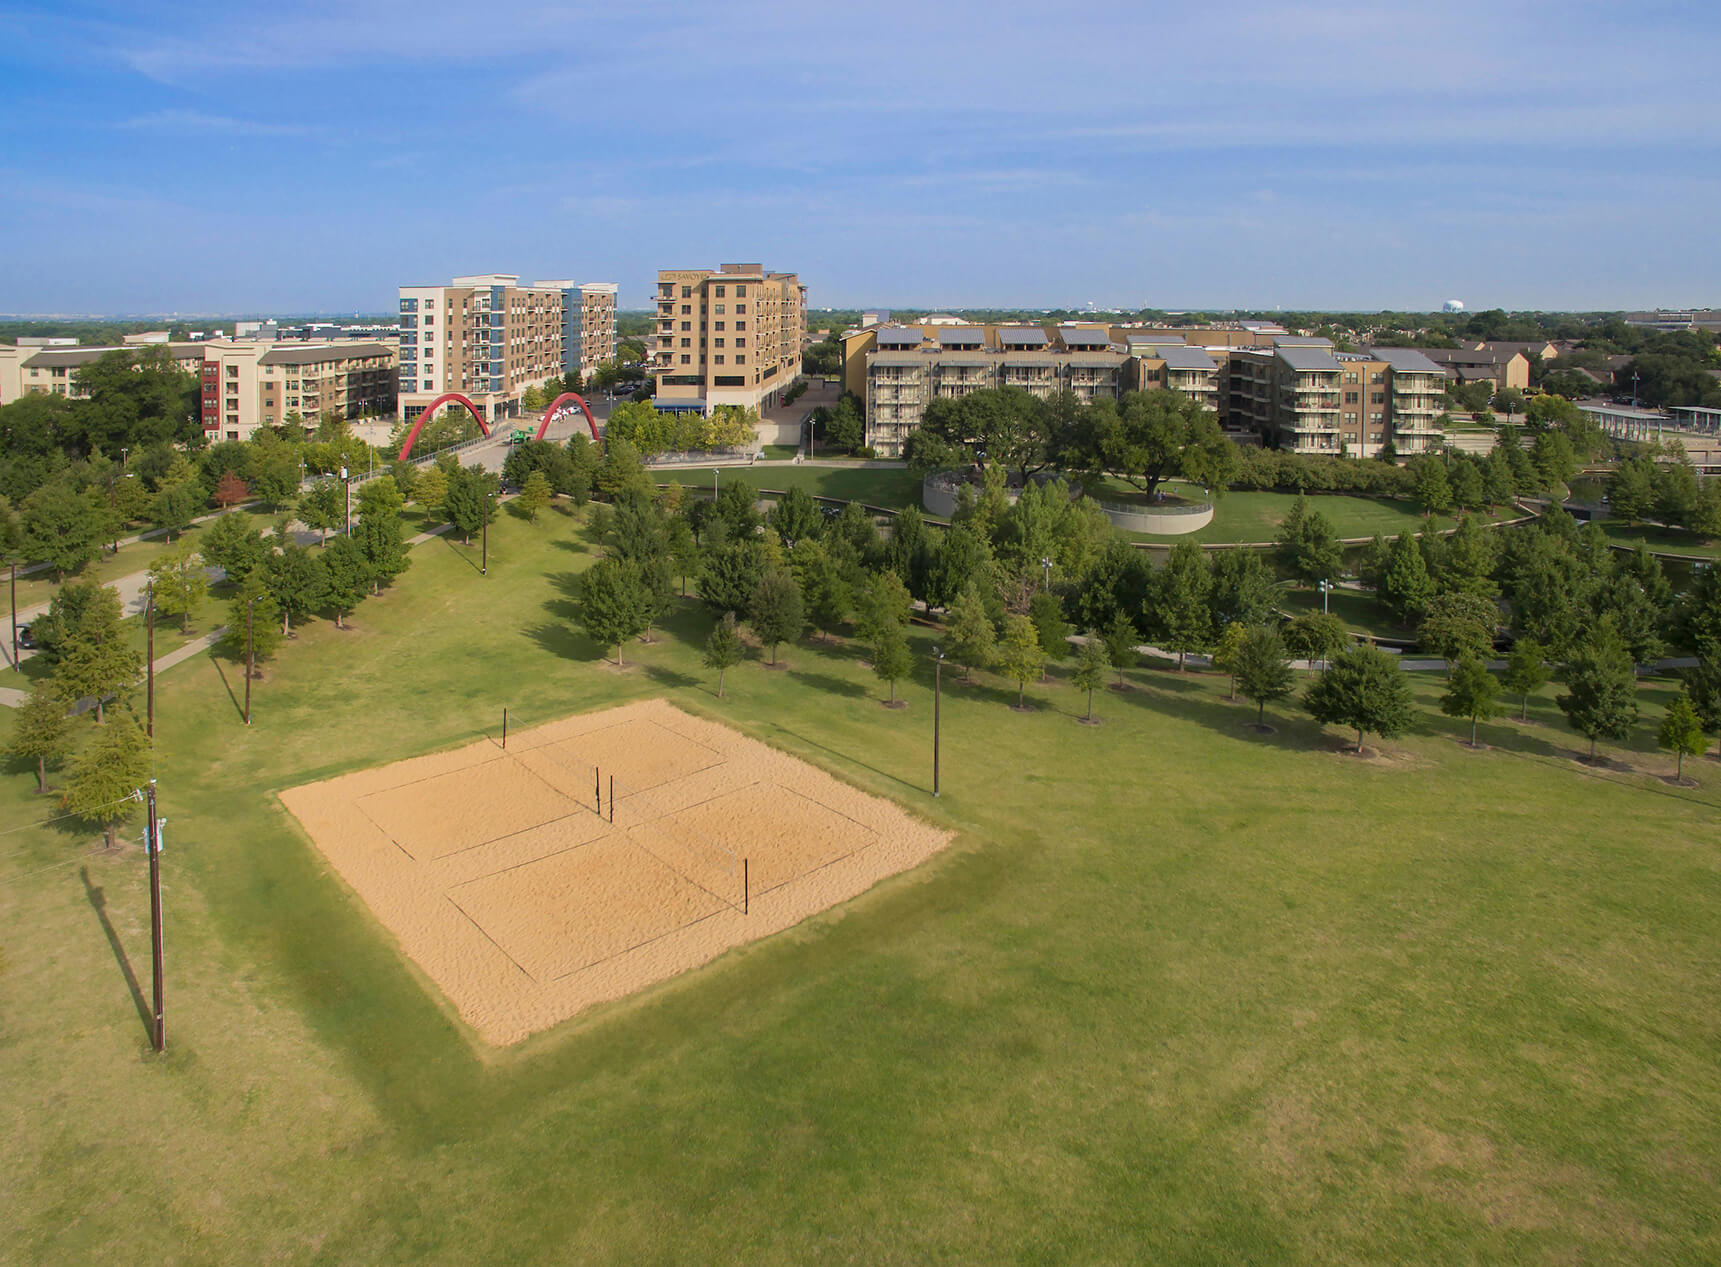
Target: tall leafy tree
<point>776,612</point>
<point>1242,589</point>
<point>429,490</point>
<point>231,544</point>
<point>94,659</point>
<point>1681,732</point>
<point>1225,652</point>
<point>1431,490</point>
<point>1406,586</point>
<point>1020,657</point>
<point>1090,671</point>
<point>61,528</point>
<point>1316,636</point>
<point>252,602</point>
<point>346,576</point>
<point>884,600</point>
<point>467,502</point>
<point>1159,435</point>
<point>1600,700</point>
<point>615,603</point>
<point>723,648</point>
<point>323,507</point>
<point>824,591</point>
<point>1308,546</point>
<point>730,574</point>
<point>181,582</point>
<point>1471,691</point>
<point>1458,624</point>
<point>113,766</point>
<point>972,637</point>
<point>177,504</point>
<point>296,583</point>
<point>890,657</point>
<point>1047,612</point>
<point>1179,614</point>
<point>796,517</point>
<point>41,730</point>
<point>1526,671</point>
<point>1262,671</point>
<point>1121,638</point>
<point>1364,689</point>
<point>535,495</point>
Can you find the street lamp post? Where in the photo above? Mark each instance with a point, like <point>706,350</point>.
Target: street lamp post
<point>484,558</point>
<point>15,667</point>
<point>1326,588</point>
<point>348,485</point>
<point>714,484</point>
<point>1046,563</point>
<point>937,700</point>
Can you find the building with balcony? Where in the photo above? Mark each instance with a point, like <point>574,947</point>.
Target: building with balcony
<point>489,338</point>
<point>727,337</point>
<point>53,369</point>
<point>245,384</point>
<point>904,368</point>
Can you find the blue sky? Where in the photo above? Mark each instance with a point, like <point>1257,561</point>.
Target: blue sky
<point>313,156</point>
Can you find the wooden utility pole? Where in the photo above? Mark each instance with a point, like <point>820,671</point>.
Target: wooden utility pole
<point>484,560</point>
<point>15,668</point>
<point>250,655</point>
<point>149,621</point>
<point>158,1027</point>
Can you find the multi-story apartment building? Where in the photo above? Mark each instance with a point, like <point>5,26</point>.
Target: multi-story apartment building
<point>729,337</point>
<point>246,385</point>
<point>1415,387</point>
<point>910,366</point>
<point>588,324</point>
<point>242,385</point>
<point>32,367</point>
<point>490,338</point>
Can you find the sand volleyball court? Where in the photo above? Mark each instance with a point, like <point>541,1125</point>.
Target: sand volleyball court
<point>502,875</point>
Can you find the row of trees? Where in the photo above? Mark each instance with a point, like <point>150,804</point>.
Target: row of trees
<point>650,432</point>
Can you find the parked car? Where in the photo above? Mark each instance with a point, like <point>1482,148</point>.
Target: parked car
<point>26,639</point>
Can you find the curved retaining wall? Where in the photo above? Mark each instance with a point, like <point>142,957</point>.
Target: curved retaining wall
<point>939,497</point>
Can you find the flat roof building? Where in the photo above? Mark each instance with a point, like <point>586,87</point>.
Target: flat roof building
<point>732,336</point>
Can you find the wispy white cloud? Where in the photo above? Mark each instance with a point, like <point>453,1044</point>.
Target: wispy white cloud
<point>197,121</point>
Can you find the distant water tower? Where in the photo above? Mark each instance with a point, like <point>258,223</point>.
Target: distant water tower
<point>1452,305</point>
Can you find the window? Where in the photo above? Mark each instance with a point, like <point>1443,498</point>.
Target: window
<point>740,292</point>
<point>1377,398</point>
<point>687,343</point>
<point>740,360</point>
<point>687,292</point>
<point>718,358</point>
<point>687,325</point>
<point>686,359</point>
<point>740,325</point>
<point>740,308</point>
<point>717,343</point>
<point>1350,377</point>
<point>430,318</point>
<point>717,325</point>
<point>1351,397</point>
<point>719,291</point>
<point>686,309</point>
<point>1377,377</point>
<point>740,343</point>
<point>1376,417</point>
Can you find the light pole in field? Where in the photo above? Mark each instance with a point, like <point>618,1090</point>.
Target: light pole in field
<point>1046,563</point>
<point>937,701</point>
<point>1326,588</point>
<point>348,485</point>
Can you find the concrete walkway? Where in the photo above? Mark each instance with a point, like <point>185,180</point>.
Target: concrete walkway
<point>12,697</point>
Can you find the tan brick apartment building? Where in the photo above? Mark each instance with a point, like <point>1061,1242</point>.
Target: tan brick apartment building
<point>242,385</point>
<point>490,338</point>
<point>1296,392</point>
<point>729,337</point>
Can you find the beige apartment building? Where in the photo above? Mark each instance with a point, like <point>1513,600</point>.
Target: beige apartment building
<point>242,385</point>
<point>729,337</point>
<point>31,367</point>
<point>247,385</point>
<point>489,338</point>
<point>907,367</point>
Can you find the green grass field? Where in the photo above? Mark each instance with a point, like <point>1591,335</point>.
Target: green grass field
<point>1239,517</point>
<point>1661,540</point>
<point>889,487</point>
<point>1178,993</point>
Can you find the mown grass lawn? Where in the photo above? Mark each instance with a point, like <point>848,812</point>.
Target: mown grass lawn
<point>889,487</point>
<point>1660,540</point>
<point>1179,992</point>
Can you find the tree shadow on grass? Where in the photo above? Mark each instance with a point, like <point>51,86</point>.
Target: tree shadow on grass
<point>831,685</point>
<point>99,904</point>
<point>670,677</point>
<point>565,642</point>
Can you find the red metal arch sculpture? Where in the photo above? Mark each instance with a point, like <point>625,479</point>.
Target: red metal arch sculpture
<point>557,403</point>
<point>431,408</point>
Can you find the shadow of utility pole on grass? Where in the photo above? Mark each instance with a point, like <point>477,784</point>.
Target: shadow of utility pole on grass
<point>99,904</point>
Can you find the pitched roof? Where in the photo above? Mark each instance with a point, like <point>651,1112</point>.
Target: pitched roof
<point>1182,358</point>
<point>972,337</point>
<point>1078,336</point>
<point>1022,336</point>
<point>317,354</point>
<point>1410,360</point>
<point>898,337</point>
<point>1308,358</point>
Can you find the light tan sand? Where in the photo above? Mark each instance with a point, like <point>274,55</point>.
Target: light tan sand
<point>499,879</point>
